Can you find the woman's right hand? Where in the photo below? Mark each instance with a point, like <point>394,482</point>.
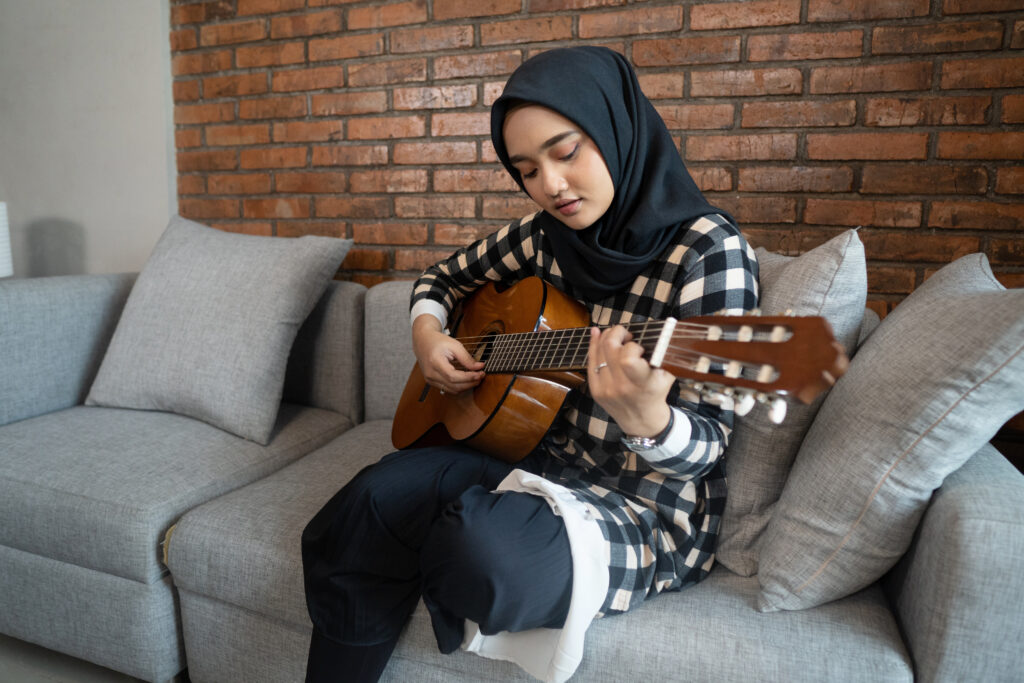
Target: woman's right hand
<point>444,361</point>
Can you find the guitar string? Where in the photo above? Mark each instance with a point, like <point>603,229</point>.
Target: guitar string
<point>698,329</point>
<point>682,331</point>
<point>525,349</point>
<point>532,344</point>
<point>682,357</point>
<point>530,357</point>
<point>747,371</point>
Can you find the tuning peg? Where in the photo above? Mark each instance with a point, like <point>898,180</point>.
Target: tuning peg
<point>744,404</point>
<point>710,394</point>
<point>778,411</point>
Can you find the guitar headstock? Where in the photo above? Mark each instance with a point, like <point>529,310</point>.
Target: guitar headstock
<point>757,359</point>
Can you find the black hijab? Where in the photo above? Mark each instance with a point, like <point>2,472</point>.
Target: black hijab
<point>655,196</point>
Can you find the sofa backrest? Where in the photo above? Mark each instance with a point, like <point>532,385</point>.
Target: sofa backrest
<point>325,368</point>
<point>388,352</point>
<point>54,332</point>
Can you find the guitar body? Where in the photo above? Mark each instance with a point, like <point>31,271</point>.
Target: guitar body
<point>507,414</point>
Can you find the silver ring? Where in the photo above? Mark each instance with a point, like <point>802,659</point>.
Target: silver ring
<point>442,391</point>
<point>599,366</point>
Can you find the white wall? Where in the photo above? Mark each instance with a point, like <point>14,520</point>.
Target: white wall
<point>86,133</point>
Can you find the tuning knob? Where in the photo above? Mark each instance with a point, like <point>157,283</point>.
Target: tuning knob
<point>778,411</point>
<point>745,404</point>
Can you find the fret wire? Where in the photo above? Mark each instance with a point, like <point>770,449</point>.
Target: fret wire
<point>549,348</point>
<point>544,358</point>
<point>533,347</point>
<point>579,348</point>
<point>501,351</point>
<point>566,334</point>
<point>536,348</point>
<point>546,341</point>
<point>547,359</point>
<point>520,348</point>
<point>528,347</point>
<point>494,355</point>
<point>509,352</point>
<point>522,359</point>
<point>570,346</point>
<point>549,351</point>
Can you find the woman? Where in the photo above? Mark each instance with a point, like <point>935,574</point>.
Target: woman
<point>622,498</point>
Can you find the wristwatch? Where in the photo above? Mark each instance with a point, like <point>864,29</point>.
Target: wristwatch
<point>648,443</point>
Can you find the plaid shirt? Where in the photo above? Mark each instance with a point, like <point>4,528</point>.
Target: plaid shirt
<point>659,517</point>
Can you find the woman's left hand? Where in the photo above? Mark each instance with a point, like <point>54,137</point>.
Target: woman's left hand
<point>624,383</point>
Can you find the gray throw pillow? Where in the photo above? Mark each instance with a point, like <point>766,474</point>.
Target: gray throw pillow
<point>830,281</point>
<point>928,388</point>
<point>207,327</point>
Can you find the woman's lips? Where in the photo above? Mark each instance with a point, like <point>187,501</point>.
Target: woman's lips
<point>568,208</point>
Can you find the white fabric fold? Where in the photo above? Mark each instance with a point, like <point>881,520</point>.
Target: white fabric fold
<point>552,655</point>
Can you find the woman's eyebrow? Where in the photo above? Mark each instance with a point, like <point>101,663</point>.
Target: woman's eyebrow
<point>550,142</point>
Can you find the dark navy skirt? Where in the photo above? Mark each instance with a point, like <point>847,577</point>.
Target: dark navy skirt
<point>424,523</point>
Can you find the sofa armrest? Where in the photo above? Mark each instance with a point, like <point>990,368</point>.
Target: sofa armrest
<point>958,591</point>
<point>53,334</point>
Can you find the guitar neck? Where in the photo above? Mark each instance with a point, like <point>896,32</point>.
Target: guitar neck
<point>552,350</point>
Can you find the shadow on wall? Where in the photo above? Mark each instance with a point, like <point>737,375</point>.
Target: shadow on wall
<point>55,247</point>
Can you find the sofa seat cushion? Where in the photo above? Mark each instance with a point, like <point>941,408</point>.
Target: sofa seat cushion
<point>98,487</point>
<point>242,551</point>
<point>244,548</point>
<point>709,632</point>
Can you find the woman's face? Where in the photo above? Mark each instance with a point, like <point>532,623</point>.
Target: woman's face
<point>561,167</point>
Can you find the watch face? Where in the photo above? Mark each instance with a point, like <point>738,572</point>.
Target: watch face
<point>641,443</point>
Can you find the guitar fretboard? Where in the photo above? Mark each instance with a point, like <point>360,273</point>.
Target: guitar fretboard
<point>551,350</point>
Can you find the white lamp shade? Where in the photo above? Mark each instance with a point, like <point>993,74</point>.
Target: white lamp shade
<point>6,264</point>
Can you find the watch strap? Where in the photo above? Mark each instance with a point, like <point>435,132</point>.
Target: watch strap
<point>649,442</point>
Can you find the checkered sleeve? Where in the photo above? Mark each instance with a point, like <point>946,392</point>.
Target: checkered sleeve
<point>507,255</point>
<point>720,275</point>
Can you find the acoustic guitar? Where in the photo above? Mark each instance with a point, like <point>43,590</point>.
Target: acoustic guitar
<point>533,341</point>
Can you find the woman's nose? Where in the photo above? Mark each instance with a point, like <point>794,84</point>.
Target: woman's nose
<point>555,184</point>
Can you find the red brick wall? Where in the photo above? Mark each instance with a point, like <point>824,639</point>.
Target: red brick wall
<point>801,117</point>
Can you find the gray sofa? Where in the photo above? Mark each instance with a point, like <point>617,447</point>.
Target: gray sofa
<point>89,497</point>
<point>87,493</point>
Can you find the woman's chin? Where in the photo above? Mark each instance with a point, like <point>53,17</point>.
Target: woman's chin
<point>575,222</point>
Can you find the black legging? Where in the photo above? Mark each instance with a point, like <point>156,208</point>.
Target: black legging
<point>424,523</point>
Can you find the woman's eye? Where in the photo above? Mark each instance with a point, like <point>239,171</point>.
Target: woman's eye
<point>529,174</point>
<point>571,154</point>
